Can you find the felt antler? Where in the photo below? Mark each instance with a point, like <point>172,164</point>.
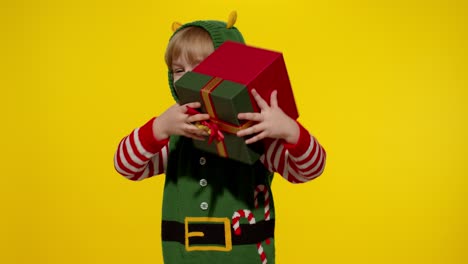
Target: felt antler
<point>230,22</point>
<point>175,26</point>
<point>231,19</point>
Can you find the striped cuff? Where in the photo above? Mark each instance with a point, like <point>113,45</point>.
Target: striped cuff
<point>302,144</point>
<point>148,140</point>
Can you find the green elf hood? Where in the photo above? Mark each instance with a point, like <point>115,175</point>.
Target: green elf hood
<point>219,32</point>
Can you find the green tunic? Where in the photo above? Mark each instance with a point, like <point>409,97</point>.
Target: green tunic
<point>201,188</point>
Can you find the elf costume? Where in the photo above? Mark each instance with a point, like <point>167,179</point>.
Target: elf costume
<point>216,210</point>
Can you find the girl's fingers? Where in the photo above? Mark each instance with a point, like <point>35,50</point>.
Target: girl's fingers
<point>261,103</point>
<point>193,115</point>
<point>192,129</point>
<point>250,116</point>
<point>250,130</point>
<point>193,105</point>
<point>274,99</point>
<point>198,117</point>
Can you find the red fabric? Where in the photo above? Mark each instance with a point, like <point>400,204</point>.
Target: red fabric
<point>302,144</point>
<point>147,137</point>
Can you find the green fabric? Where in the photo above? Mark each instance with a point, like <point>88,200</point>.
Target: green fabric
<point>235,147</point>
<point>217,30</point>
<point>245,254</point>
<point>219,34</point>
<point>230,188</point>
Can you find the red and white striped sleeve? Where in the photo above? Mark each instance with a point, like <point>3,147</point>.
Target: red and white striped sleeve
<point>297,163</point>
<point>140,155</point>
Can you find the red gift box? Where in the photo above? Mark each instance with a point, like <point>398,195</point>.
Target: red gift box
<point>259,69</point>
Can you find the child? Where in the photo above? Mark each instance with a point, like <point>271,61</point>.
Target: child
<point>216,210</point>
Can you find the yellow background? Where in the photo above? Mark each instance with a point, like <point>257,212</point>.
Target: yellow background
<point>382,84</point>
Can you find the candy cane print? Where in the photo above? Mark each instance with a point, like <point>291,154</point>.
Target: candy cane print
<point>244,214</point>
<point>237,230</point>
<point>266,195</point>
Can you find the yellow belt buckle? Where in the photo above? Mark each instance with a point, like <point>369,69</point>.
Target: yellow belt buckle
<point>227,233</point>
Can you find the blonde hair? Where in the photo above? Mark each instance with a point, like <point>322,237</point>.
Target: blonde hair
<point>193,43</point>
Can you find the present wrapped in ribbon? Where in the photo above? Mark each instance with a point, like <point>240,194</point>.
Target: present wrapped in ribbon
<point>222,83</point>
<point>222,100</point>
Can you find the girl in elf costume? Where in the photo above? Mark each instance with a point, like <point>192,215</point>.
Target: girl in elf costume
<point>216,210</point>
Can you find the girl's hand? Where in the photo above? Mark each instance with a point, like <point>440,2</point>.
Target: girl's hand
<point>176,121</point>
<point>272,122</point>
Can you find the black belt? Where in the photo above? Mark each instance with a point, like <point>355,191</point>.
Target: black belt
<point>215,233</point>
